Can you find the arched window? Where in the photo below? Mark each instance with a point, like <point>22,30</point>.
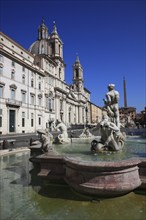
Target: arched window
<point>69,114</point>
<point>59,73</point>
<point>59,50</point>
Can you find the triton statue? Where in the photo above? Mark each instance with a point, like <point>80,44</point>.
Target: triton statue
<point>111,137</point>
<point>63,137</point>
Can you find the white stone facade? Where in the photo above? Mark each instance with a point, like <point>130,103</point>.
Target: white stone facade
<point>33,91</point>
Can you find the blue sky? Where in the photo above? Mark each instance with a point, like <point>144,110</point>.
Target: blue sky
<point>109,37</point>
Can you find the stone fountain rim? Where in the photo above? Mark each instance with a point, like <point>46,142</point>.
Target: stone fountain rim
<point>101,164</point>
<point>122,163</point>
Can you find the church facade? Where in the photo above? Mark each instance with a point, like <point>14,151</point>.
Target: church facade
<point>33,90</point>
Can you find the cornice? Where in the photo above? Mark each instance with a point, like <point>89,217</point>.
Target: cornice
<point>21,62</point>
<point>14,42</point>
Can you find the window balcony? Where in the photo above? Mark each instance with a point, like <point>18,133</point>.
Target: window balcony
<point>13,102</point>
<point>49,110</point>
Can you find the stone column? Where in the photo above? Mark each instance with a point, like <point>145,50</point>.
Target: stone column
<point>57,107</point>
<point>64,111</point>
<point>80,115</point>
<point>76,113</point>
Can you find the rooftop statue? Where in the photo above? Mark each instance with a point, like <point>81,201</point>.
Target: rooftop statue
<point>111,136</point>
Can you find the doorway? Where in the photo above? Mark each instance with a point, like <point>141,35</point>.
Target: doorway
<point>11,120</point>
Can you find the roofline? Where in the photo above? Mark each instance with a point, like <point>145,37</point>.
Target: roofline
<point>87,90</point>
<point>95,105</point>
<point>18,45</point>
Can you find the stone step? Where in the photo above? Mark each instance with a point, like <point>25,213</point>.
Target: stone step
<point>44,172</point>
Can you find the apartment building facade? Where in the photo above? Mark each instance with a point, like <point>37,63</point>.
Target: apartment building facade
<point>33,90</point>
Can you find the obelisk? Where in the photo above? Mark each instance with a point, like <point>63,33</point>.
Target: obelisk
<point>125,95</point>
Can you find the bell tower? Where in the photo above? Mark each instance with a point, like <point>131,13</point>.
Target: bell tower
<point>43,39</point>
<point>78,83</point>
<point>42,31</point>
<point>56,44</point>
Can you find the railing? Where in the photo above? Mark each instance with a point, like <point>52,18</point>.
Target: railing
<point>13,102</point>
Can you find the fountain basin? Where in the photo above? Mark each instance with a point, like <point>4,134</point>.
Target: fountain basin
<point>142,173</point>
<point>104,174</point>
<point>105,179</point>
<point>24,197</point>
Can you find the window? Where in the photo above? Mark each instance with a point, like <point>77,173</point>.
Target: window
<point>1,91</point>
<point>59,50</point>
<point>23,79</point>
<point>23,119</point>
<point>1,70</point>
<point>60,73</point>
<point>32,83</point>
<point>47,105</point>
<point>32,99</point>
<point>77,73</point>
<point>69,114</point>
<point>39,101</point>
<point>1,58</point>
<point>50,103</point>
<point>0,117</point>
<point>61,105</point>
<point>23,96</point>
<point>39,120</point>
<point>12,74</point>
<point>53,48</point>
<point>32,119</point>
<point>13,64</point>
<point>69,117</point>
<point>12,93</point>
<point>0,121</point>
<point>50,106</point>
<point>83,118</point>
<point>23,68</point>
<point>39,85</point>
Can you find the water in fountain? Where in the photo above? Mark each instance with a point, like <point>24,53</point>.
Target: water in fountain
<point>134,147</point>
<point>23,199</point>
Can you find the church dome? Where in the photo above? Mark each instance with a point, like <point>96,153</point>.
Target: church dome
<point>34,48</point>
<point>41,45</point>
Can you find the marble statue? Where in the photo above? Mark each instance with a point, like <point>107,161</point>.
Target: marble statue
<point>111,104</point>
<point>85,133</point>
<point>46,139</point>
<point>63,137</point>
<point>111,136</point>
